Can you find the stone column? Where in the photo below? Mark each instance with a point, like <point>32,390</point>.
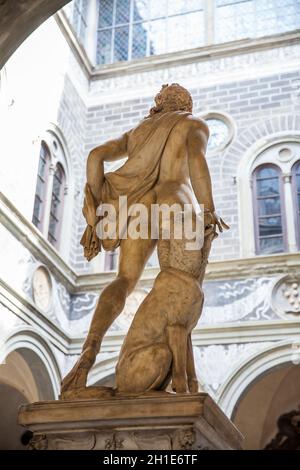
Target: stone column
<point>289,212</point>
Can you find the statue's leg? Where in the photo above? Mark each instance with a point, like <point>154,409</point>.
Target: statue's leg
<point>133,257</point>
<point>144,370</point>
<point>177,341</point>
<point>190,367</point>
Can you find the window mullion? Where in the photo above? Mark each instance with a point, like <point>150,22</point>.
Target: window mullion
<point>209,21</point>
<point>113,32</point>
<point>130,33</point>
<point>289,214</point>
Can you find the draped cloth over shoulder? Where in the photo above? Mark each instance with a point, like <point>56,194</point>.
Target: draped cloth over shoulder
<point>139,173</point>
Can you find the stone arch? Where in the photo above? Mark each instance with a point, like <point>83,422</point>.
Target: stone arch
<point>61,156</point>
<point>253,368</point>
<point>19,18</point>
<point>253,138</point>
<point>236,165</point>
<point>38,354</point>
<point>233,167</point>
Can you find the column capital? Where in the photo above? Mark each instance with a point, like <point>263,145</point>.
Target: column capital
<point>287,177</point>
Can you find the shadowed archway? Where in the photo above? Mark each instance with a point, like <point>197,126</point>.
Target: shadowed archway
<point>19,18</point>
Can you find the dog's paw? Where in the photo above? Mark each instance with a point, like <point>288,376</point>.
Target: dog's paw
<point>179,385</point>
<point>193,385</point>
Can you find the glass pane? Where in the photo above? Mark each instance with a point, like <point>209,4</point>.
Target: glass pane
<point>276,16</point>
<point>176,7</point>
<point>122,11</point>
<point>238,19</point>
<point>121,44</point>
<point>268,187</point>
<point>140,10</point>
<point>40,188</point>
<point>139,40</point>
<point>271,245</point>
<point>104,47</point>
<point>105,13</point>
<point>56,204</point>
<point>158,37</point>
<point>185,31</point>
<point>235,20</point>
<point>37,212</point>
<point>269,206</point>
<point>298,182</point>
<point>194,33</point>
<point>267,172</point>
<point>270,226</point>
<point>158,8</point>
<point>41,184</point>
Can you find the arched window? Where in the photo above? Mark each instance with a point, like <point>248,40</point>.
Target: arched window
<point>51,188</point>
<point>268,210</point>
<point>41,187</point>
<point>296,187</point>
<point>56,209</point>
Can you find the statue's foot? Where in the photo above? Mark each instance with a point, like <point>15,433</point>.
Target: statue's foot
<point>77,377</point>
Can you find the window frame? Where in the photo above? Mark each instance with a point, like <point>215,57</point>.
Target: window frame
<point>59,217</point>
<point>41,222</point>
<point>256,208</point>
<point>296,205</point>
<point>210,10</point>
<point>132,22</point>
<point>55,142</point>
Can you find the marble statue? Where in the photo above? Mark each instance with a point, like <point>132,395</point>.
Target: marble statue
<point>165,165</point>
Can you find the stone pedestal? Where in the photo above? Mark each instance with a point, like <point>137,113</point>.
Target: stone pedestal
<point>156,422</point>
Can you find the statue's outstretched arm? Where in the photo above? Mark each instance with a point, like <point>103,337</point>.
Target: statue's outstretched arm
<point>199,173</point>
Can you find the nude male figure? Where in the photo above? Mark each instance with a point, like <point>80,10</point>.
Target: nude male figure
<point>181,171</point>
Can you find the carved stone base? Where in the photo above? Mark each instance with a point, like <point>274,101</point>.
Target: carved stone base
<point>158,422</point>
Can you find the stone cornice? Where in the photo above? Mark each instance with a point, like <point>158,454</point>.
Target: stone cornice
<point>38,245</point>
<point>72,41</point>
<point>31,238</point>
<point>224,333</point>
<point>178,58</point>
<point>203,335</point>
<point>26,311</point>
<point>199,54</point>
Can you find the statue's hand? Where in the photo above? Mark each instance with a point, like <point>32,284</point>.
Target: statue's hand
<point>212,218</point>
<point>89,207</point>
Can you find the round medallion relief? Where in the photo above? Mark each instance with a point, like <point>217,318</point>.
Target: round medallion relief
<point>286,297</point>
<point>42,288</point>
<point>285,154</point>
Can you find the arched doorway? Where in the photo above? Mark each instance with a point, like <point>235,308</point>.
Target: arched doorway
<point>269,397</point>
<point>24,379</point>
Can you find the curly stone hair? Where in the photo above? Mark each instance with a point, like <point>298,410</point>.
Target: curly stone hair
<point>172,97</point>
